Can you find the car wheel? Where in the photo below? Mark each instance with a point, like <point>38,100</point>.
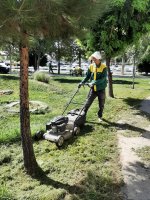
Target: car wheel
<point>60,141</point>
<point>76,130</point>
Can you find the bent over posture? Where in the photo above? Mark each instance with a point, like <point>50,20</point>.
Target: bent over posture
<point>97,74</point>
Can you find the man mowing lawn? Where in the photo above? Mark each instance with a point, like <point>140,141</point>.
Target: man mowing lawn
<point>97,74</point>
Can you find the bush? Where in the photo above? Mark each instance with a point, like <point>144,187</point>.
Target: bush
<point>41,76</point>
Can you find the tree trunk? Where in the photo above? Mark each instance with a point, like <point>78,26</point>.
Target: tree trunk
<point>123,65</point>
<point>133,72</point>
<point>58,56</point>
<point>35,62</point>
<point>79,58</point>
<point>10,58</point>
<point>30,163</point>
<point>110,85</point>
<point>38,59</point>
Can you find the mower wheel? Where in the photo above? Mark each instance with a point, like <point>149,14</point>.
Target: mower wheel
<point>60,141</point>
<point>39,135</point>
<point>76,130</point>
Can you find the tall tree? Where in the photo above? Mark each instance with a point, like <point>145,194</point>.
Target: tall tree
<point>66,49</point>
<point>120,26</point>
<point>37,50</point>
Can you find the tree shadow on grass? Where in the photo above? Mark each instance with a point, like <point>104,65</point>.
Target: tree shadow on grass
<point>91,186</point>
<point>67,80</point>
<point>9,77</point>
<point>124,82</point>
<point>133,102</point>
<point>136,104</point>
<point>123,126</point>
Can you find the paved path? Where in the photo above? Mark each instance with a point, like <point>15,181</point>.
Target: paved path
<point>135,171</point>
<point>145,106</point>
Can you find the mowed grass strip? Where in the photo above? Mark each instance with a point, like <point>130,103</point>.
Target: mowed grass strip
<point>87,166</point>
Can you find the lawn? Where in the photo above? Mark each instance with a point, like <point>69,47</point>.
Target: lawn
<point>87,167</point>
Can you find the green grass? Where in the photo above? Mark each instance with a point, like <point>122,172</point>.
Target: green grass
<point>87,167</point>
<point>144,153</point>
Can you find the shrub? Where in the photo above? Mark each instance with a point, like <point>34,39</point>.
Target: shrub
<point>41,76</point>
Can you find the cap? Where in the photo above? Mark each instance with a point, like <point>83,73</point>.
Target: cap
<point>96,55</point>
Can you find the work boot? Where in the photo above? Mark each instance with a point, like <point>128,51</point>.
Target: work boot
<point>100,119</point>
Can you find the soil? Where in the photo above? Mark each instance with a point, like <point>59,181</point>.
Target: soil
<point>135,171</point>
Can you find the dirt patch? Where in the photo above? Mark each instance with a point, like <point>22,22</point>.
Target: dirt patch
<point>135,170</point>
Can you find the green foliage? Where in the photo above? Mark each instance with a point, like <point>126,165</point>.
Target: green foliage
<point>66,49</point>
<point>122,25</point>
<point>41,76</point>
<point>117,3</point>
<point>141,5</point>
<point>143,53</point>
<point>60,18</point>
<point>85,12</point>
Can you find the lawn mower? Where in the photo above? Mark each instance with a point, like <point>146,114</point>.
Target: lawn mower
<point>63,127</point>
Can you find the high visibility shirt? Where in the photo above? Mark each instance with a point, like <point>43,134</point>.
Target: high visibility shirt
<point>97,76</point>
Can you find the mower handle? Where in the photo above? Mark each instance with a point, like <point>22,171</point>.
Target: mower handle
<point>74,96</point>
<point>83,84</point>
<point>86,84</point>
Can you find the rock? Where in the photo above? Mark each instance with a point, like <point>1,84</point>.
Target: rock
<point>7,92</point>
<point>36,107</point>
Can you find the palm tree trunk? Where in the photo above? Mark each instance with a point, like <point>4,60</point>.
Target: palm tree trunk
<point>30,163</point>
<point>110,85</point>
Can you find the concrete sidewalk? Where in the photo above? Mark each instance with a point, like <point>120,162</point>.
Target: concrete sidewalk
<point>136,172</point>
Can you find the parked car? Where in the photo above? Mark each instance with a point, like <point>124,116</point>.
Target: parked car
<point>4,69</point>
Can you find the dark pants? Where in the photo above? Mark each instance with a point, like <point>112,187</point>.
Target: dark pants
<point>101,99</point>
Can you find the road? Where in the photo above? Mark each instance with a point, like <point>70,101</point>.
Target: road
<point>128,71</point>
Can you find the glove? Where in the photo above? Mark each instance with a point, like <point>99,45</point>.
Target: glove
<point>90,85</point>
<point>80,84</point>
